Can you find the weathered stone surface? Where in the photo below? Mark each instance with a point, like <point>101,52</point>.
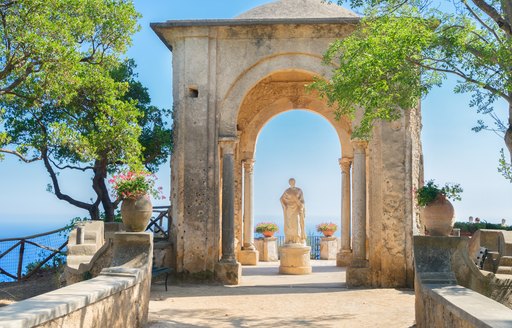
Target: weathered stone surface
<point>118,297</point>
<point>228,273</point>
<point>295,259</point>
<point>328,248</point>
<point>248,257</point>
<point>344,258</point>
<point>441,264</point>
<point>267,248</point>
<point>230,78</point>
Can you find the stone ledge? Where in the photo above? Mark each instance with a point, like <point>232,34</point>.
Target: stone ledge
<point>43,308</point>
<point>470,306</point>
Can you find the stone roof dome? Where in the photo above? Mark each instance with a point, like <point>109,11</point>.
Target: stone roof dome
<point>297,9</point>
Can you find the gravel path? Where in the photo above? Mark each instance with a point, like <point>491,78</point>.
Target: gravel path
<point>267,299</point>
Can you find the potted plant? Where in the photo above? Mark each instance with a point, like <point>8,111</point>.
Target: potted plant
<point>267,229</point>
<point>328,229</point>
<point>133,188</point>
<point>436,210</point>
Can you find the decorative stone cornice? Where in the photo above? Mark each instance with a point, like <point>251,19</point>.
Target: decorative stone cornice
<point>249,165</point>
<point>359,145</point>
<point>228,144</point>
<point>345,164</point>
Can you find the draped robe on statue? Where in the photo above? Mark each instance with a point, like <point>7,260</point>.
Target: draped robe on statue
<point>292,201</point>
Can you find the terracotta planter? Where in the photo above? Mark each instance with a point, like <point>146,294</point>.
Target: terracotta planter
<point>328,233</point>
<point>136,213</point>
<point>268,233</point>
<point>439,216</point>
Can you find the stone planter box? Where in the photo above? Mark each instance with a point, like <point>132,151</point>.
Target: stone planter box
<point>267,248</point>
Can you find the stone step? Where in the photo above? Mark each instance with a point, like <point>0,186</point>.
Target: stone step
<point>75,260</point>
<point>506,261</point>
<point>83,249</point>
<point>504,270</point>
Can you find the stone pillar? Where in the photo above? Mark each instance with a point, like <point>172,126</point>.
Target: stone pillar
<point>357,273</point>
<point>228,270</point>
<point>344,256</point>
<point>249,254</point>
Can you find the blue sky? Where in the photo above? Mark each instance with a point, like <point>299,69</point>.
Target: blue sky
<point>296,143</point>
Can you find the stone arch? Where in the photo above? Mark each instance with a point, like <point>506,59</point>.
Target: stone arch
<point>232,103</point>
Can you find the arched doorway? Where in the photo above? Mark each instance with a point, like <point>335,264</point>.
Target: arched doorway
<point>230,77</point>
<point>279,92</point>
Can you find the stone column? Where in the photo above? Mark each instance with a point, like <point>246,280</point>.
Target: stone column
<point>344,256</point>
<point>359,205</point>
<point>228,270</point>
<point>248,205</point>
<point>249,254</point>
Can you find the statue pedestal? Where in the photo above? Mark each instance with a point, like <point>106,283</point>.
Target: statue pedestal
<point>328,248</point>
<point>295,259</point>
<point>267,248</point>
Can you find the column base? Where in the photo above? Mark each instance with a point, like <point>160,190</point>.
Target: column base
<point>358,274</point>
<point>328,248</point>
<point>344,258</point>
<point>228,272</point>
<point>248,257</point>
<point>295,259</point>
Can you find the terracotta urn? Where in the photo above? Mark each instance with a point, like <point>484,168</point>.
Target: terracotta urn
<point>268,233</point>
<point>439,216</point>
<point>328,233</point>
<point>136,213</point>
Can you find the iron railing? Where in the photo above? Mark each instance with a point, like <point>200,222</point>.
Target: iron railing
<point>160,224</point>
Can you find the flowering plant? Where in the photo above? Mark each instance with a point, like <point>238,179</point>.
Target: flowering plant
<point>266,226</point>
<point>326,226</point>
<point>132,185</point>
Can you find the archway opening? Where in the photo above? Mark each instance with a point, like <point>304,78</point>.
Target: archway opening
<point>302,145</point>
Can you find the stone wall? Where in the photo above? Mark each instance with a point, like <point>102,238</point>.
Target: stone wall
<point>118,297</point>
<point>440,301</point>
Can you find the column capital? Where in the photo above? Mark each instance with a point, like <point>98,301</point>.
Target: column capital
<point>249,165</point>
<point>345,164</point>
<point>359,145</point>
<point>228,144</point>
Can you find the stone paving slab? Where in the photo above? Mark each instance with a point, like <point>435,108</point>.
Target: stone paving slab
<point>267,299</point>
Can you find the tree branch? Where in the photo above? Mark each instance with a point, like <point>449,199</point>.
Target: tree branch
<point>467,78</point>
<point>480,20</point>
<point>20,156</point>
<point>70,166</point>
<point>56,186</point>
<point>495,15</point>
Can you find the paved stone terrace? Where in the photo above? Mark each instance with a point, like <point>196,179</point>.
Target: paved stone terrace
<point>267,299</point>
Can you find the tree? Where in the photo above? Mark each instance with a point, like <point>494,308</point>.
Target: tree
<point>45,43</point>
<point>67,100</point>
<point>403,48</point>
<point>107,124</point>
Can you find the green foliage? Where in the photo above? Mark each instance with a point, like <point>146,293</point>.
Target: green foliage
<point>45,43</point>
<point>53,265</point>
<point>429,192</point>
<point>326,226</point>
<point>472,227</point>
<point>266,226</point>
<point>504,168</point>
<point>402,49</point>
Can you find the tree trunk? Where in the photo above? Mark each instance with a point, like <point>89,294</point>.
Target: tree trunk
<point>508,134</point>
<point>99,186</point>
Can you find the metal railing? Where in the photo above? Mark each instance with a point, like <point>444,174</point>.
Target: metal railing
<point>160,225</point>
<point>40,248</point>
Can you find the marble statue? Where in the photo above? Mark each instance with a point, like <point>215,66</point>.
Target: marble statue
<point>294,211</point>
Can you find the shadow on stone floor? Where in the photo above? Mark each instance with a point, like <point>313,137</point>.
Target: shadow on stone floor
<point>220,318</point>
